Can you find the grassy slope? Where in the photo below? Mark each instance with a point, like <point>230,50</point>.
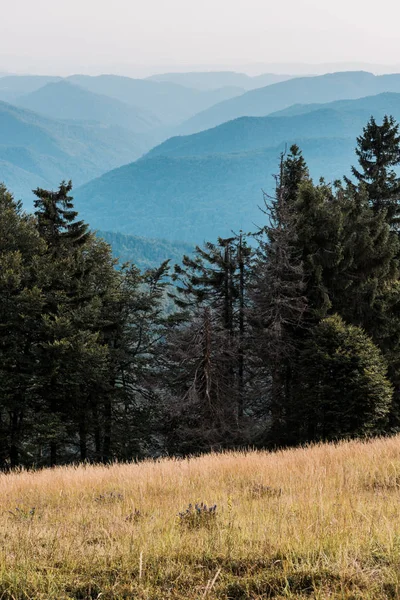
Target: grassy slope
<point>311,523</point>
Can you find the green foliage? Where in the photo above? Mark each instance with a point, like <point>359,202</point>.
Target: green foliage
<point>344,390</point>
<point>292,340</point>
<point>378,151</point>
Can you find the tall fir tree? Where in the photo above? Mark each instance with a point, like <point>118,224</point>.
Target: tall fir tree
<point>378,151</point>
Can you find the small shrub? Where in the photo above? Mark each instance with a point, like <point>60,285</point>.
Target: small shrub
<point>259,490</point>
<point>109,498</point>
<point>199,515</point>
<point>134,516</point>
<point>22,514</point>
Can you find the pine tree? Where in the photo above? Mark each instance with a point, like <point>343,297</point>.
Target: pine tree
<point>378,151</point>
<point>69,353</point>
<point>294,171</point>
<point>318,222</point>
<point>21,302</point>
<point>278,301</point>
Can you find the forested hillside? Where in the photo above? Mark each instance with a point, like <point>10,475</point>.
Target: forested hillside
<point>281,337</point>
<point>38,151</point>
<point>146,253</point>
<point>200,197</point>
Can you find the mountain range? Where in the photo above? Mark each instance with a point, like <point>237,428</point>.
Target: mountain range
<point>198,198</point>
<point>304,90</point>
<point>204,185</point>
<point>37,151</point>
<point>211,80</point>
<point>64,100</point>
<point>107,133</point>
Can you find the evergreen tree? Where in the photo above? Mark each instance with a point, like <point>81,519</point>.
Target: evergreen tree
<point>343,387</point>
<point>278,305</point>
<point>318,223</point>
<point>294,171</point>
<point>378,151</point>
<point>69,353</point>
<point>21,302</point>
<point>217,277</point>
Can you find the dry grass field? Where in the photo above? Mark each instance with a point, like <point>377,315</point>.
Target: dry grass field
<point>320,522</point>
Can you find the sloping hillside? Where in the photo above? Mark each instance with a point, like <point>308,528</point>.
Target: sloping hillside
<point>378,105</point>
<point>64,100</point>
<point>36,151</point>
<point>251,133</point>
<point>13,86</point>
<point>198,198</point>
<point>313,523</point>
<point>146,253</point>
<point>263,101</point>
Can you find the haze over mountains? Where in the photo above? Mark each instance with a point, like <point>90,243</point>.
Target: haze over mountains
<point>116,138</point>
<point>210,80</point>
<point>63,100</point>
<point>263,101</point>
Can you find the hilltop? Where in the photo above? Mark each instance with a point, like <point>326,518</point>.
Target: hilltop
<point>319,522</point>
<point>64,100</point>
<point>170,102</point>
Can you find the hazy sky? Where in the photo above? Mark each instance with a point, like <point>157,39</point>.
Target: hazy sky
<point>65,36</point>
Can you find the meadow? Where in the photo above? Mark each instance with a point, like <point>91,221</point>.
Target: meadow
<point>320,523</point>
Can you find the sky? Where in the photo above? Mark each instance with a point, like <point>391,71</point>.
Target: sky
<point>146,36</point>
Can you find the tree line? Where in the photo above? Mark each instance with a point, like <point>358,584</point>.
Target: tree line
<point>284,336</point>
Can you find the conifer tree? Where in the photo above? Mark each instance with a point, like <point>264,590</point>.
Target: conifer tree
<point>68,344</point>
<point>21,302</point>
<point>294,171</point>
<point>378,151</point>
<point>278,300</point>
<point>201,402</point>
<point>343,388</point>
<point>217,277</point>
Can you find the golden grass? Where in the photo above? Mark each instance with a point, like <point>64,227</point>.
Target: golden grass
<point>319,522</point>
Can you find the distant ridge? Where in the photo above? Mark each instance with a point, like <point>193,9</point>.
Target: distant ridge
<point>278,96</point>
<point>209,80</point>
<point>39,151</point>
<point>343,118</point>
<point>13,86</point>
<point>65,100</point>
<point>170,102</point>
